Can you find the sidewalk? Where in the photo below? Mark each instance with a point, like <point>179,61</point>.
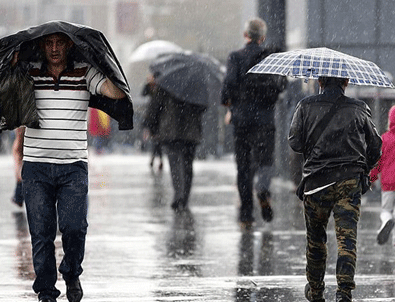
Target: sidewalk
<point>139,250</point>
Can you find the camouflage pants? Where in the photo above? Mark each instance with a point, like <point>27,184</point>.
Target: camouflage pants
<point>344,200</point>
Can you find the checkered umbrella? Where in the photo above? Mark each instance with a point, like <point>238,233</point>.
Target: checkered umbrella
<point>316,62</point>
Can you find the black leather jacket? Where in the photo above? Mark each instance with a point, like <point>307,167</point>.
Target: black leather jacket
<point>349,145</point>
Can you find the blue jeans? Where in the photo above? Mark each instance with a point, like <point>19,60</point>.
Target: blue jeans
<point>56,193</point>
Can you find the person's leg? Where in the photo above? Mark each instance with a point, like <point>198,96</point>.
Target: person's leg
<point>176,163</point>
<point>346,213</point>
<point>189,155</point>
<point>263,152</point>
<point>72,180</point>
<point>386,216</point>
<point>39,194</point>
<point>317,209</point>
<point>244,175</point>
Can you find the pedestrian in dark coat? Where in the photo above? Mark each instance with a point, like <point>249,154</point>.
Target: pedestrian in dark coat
<point>335,166</point>
<point>251,99</point>
<point>179,130</point>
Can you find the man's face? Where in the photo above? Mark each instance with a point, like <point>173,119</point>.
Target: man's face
<point>56,48</point>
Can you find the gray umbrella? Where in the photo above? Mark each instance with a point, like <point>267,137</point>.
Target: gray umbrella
<point>190,77</point>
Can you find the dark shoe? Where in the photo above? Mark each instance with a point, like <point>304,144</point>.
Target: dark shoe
<point>74,291</point>
<point>341,297</point>
<point>264,201</point>
<point>246,225</point>
<point>47,300</point>
<point>309,296</point>
<point>385,232</point>
<point>179,206</point>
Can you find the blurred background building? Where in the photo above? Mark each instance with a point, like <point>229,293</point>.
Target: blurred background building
<point>364,28</point>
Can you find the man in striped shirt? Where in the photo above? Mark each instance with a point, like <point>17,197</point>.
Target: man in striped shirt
<point>55,172</point>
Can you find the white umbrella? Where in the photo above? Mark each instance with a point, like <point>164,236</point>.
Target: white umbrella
<point>316,62</point>
<point>150,50</point>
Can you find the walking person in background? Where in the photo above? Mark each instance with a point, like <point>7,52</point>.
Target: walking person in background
<point>151,89</point>
<point>251,99</point>
<point>178,128</point>
<point>55,168</point>
<point>386,169</point>
<point>333,178</point>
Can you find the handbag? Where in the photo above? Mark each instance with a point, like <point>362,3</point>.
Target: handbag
<point>314,137</point>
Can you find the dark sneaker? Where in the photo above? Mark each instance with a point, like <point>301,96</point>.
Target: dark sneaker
<point>385,232</point>
<point>264,201</point>
<point>309,296</point>
<point>179,206</point>
<point>47,300</point>
<point>246,225</point>
<point>74,291</point>
<point>341,297</point>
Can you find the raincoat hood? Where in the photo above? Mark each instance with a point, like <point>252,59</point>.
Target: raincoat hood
<point>391,119</point>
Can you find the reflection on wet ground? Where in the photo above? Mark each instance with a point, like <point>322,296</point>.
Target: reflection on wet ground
<point>138,249</point>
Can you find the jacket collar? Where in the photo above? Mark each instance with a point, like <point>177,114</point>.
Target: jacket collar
<point>333,91</point>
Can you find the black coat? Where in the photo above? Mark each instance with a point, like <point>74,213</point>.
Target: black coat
<point>348,146</point>
<point>252,97</point>
<point>173,120</point>
<point>90,46</point>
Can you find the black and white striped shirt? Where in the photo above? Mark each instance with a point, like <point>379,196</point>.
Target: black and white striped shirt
<point>62,106</point>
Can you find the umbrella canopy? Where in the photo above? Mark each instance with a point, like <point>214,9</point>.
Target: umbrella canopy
<point>151,50</point>
<point>316,62</point>
<point>190,77</point>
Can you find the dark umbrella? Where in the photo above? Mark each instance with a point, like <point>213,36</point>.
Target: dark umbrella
<point>190,77</point>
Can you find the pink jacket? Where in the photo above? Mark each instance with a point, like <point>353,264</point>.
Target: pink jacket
<point>386,165</point>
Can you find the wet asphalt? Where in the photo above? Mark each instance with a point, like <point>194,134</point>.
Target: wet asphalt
<point>138,249</point>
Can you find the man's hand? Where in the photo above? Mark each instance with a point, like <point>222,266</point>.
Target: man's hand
<point>108,89</point>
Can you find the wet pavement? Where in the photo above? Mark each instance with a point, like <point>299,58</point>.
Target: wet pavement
<point>138,249</point>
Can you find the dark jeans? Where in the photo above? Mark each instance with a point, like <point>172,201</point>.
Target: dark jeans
<point>56,193</point>
<point>254,148</point>
<point>181,155</point>
<point>344,200</point>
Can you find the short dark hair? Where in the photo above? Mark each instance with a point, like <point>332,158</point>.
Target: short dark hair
<point>325,81</point>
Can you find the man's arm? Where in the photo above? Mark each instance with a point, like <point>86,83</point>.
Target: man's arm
<point>295,135</point>
<point>17,151</point>
<point>231,81</point>
<point>111,91</point>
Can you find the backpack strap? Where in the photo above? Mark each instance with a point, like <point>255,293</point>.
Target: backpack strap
<point>322,124</point>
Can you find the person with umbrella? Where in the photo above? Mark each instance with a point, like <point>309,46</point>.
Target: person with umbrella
<point>55,168</point>
<point>251,99</point>
<point>186,84</point>
<point>340,145</point>
<point>178,128</point>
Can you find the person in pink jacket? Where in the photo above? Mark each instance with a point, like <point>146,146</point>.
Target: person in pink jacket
<point>386,167</point>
